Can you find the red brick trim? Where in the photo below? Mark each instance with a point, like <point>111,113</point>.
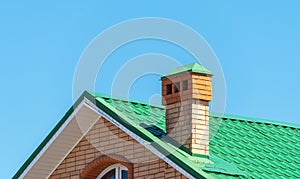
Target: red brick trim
<point>93,169</point>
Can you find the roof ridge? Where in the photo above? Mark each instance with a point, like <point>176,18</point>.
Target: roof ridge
<point>256,120</point>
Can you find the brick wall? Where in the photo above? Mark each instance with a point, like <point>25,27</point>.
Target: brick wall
<point>105,139</point>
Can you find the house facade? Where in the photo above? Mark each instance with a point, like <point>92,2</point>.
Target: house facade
<point>106,137</point>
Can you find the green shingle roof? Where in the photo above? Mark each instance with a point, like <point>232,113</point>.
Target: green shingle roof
<point>239,147</point>
<point>255,148</point>
<point>262,150</point>
<point>194,67</point>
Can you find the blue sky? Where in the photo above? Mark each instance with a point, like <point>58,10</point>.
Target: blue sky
<point>257,43</point>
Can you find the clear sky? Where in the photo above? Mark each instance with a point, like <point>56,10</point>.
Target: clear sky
<point>257,43</point>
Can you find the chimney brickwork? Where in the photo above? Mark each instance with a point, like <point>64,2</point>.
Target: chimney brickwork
<point>186,96</point>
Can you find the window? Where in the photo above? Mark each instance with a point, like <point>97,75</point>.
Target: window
<point>116,171</point>
<point>185,85</point>
<point>177,87</point>
<point>169,89</point>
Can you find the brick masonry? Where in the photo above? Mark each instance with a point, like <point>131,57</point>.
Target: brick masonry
<point>187,111</point>
<point>106,144</point>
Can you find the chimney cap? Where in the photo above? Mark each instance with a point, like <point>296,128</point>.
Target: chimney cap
<point>193,67</point>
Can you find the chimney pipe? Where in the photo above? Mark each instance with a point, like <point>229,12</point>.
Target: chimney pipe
<point>186,93</point>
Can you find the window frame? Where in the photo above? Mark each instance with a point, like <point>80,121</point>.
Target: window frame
<point>117,167</point>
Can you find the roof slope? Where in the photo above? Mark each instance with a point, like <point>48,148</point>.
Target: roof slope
<point>239,147</point>
<point>259,148</point>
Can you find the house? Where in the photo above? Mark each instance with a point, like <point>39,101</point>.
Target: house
<point>105,137</point>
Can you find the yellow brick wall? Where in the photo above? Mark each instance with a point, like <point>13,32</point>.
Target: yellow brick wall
<point>106,139</point>
<point>188,124</point>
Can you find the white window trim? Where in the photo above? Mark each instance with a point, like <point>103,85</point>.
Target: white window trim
<point>117,167</point>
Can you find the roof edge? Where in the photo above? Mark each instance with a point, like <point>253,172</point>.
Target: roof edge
<point>48,137</point>
<point>193,67</point>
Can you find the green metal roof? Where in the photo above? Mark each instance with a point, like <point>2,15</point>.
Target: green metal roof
<point>257,147</point>
<point>193,67</point>
<point>239,147</point>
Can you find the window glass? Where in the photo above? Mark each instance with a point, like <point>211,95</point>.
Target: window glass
<point>124,174</point>
<point>177,87</point>
<point>185,85</point>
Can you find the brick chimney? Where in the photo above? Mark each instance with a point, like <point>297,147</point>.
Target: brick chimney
<point>186,93</point>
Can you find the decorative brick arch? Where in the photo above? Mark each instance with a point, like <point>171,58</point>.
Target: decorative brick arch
<point>93,169</point>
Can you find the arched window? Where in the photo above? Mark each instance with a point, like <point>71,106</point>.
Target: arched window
<point>115,171</point>
<point>116,167</point>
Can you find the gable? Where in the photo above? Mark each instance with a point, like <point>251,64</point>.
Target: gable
<point>36,166</point>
